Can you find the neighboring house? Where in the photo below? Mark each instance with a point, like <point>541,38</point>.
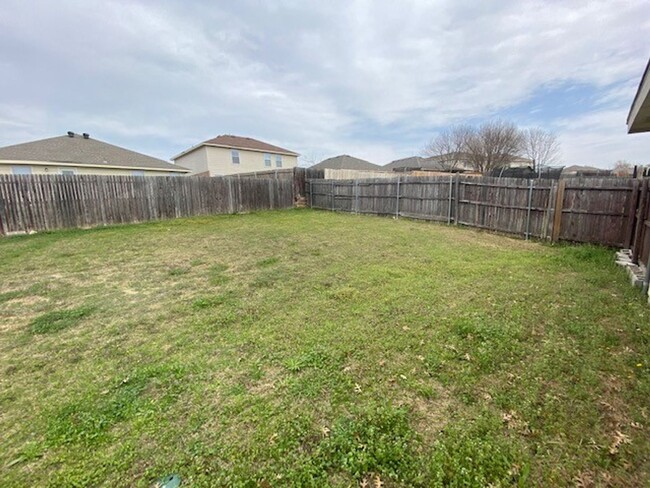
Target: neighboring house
<point>405,164</point>
<point>228,155</point>
<point>345,161</point>
<point>577,170</point>
<point>80,154</point>
<point>447,162</point>
<point>452,162</point>
<point>518,162</point>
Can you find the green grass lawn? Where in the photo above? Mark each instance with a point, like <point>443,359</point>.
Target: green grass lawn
<point>306,348</point>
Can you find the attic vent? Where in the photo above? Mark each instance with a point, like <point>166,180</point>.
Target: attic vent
<point>86,135</point>
<point>70,133</point>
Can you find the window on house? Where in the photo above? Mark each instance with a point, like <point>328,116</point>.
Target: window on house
<point>267,160</point>
<point>235,156</point>
<point>278,161</point>
<point>137,172</point>
<point>67,172</point>
<point>21,170</point>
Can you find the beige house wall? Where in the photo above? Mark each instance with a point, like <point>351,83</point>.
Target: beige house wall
<point>219,160</point>
<point>196,160</point>
<point>53,169</point>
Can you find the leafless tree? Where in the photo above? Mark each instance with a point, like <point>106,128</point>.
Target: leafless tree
<point>541,146</point>
<point>623,168</point>
<point>310,158</point>
<point>449,147</point>
<point>494,144</point>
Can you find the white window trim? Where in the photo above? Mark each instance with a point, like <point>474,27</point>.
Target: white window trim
<point>234,154</point>
<point>278,160</point>
<point>268,163</point>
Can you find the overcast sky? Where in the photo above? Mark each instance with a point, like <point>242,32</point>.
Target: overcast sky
<point>369,78</point>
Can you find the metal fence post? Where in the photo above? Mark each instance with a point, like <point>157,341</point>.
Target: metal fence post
<point>451,189</point>
<point>397,201</point>
<point>530,202</point>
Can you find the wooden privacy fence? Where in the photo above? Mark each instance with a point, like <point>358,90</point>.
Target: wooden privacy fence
<point>47,202</point>
<point>581,210</point>
<point>299,176</point>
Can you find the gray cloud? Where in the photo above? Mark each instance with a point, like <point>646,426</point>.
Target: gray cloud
<point>376,79</point>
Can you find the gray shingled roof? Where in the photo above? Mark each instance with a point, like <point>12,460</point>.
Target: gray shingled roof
<point>410,162</point>
<point>432,163</point>
<point>247,143</point>
<point>440,163</point>
<point>345,161</point>
<point>83,152</point>
<point>238,142</point>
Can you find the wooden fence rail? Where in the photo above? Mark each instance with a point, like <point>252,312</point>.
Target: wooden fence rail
<point>596,210</point>
<point>44,202</point>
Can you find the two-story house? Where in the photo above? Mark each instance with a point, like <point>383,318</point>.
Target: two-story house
<point>228,155</point>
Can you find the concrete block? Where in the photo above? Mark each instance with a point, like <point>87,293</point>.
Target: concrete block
<point>636,280</point>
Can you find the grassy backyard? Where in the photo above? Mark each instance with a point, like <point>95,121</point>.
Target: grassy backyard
<point>305,348</point>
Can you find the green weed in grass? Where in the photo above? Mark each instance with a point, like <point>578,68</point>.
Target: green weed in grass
<point>59,319</point>
<point>379,439</point>
<point>177,271</point>
<point>10,295</point>
<point>143,392</point>
<point>475,454</point>
<point>263,263</point>
<point>212,301</point>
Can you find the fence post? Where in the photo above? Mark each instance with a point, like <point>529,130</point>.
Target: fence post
<point>241,194</point>
<point>557,212</point>
<point>634,198</point>
<point>356,196</point>
<point>547,213</point>
<point>230,200</point>
<point>640,219</point>
<point>530,202</point>
<point>397,201</point>
<point>456,199</point>
<point>333,191</point>
<point>451,189</point>
<point>311,194</point>
<point>3,230</point>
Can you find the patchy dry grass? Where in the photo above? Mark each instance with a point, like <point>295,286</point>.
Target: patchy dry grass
<point>305,348</point>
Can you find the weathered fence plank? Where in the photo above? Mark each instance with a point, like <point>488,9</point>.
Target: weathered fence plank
<point>593,210</point>
<point>47,202</point>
